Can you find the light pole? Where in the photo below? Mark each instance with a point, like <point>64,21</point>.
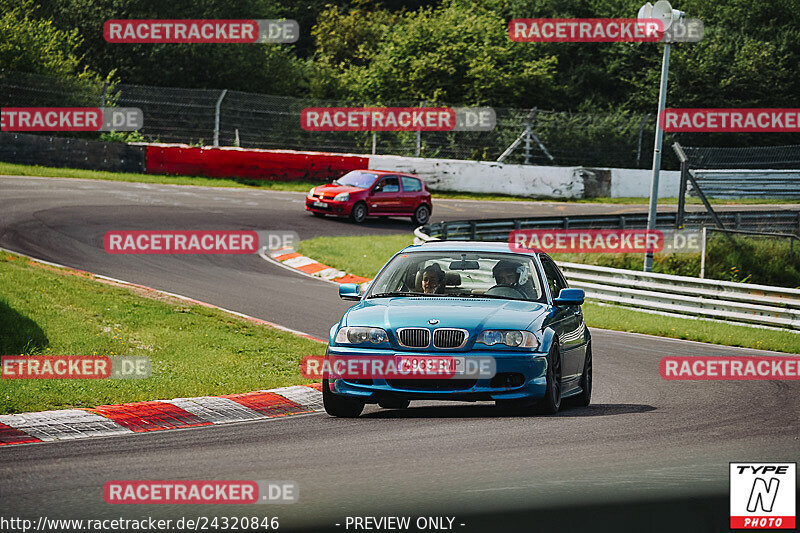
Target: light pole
<point>661,10</point>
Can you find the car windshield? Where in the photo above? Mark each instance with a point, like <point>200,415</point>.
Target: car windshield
<point>459,274</point>
<point>362,180</point>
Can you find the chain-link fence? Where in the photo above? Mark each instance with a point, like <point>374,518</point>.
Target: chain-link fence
<point>253,120</point>
<point>755,157</point>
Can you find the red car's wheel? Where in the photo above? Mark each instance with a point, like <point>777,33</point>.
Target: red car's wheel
<point>421,215</point>
<point>358,213</point>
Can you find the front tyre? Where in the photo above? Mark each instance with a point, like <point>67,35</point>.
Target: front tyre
<point>551,402</point>
<point>585,397</point>
<point>359,213</point>
<point>421,215</point>
<point>340,406</point>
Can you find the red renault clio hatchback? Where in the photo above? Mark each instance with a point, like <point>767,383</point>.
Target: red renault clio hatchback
<point>362,193</point>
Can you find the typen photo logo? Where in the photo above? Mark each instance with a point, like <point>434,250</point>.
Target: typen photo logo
<point>763,495</point>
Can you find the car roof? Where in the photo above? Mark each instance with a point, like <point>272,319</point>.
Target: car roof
<point>384,172</point>
<point>465,246</point>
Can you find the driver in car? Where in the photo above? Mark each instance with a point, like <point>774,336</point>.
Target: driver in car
<point>506,273</point>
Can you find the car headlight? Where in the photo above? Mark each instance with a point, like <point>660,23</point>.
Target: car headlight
<point>359,335</point>
<point>341,197</point>
<point>513,338</point>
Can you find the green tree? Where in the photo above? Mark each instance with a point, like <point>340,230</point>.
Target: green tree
<point>451,53</point>
<point>263,68</point>
<point>29,44</point>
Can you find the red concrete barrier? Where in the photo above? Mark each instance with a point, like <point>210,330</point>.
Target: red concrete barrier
<point>281,165</point>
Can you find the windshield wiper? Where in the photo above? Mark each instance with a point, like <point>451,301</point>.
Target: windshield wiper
<point>397,293</point>
<point>495,296</point>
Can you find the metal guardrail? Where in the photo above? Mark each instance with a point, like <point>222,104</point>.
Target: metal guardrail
<point>744,303</point>
<point>497,229</point>
<point>748,183</point>
<point>683,295</point>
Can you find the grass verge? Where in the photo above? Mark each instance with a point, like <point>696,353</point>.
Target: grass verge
<point>12,169</point>
<point>195,351</point>
<point>364,256</point>
<point>726,334</point>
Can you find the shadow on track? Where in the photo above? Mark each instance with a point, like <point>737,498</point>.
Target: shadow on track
<point>489,411</point>
<point>396,223</point>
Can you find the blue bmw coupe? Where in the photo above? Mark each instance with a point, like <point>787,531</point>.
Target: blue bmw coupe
<point>464,302</point>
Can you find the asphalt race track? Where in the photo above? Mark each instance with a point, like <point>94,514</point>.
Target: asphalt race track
<point>648,455</point>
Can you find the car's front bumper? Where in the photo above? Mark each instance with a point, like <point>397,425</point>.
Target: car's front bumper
<point>527,368</point>
<point>331,207</point>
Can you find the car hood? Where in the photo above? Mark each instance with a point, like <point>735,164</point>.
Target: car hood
<point>331,189</point>
<point>451,312</point>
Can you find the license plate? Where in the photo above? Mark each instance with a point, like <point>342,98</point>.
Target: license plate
<point>320,204</point>
<point>430,365</point>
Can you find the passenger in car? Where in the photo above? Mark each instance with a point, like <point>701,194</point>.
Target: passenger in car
<point>433,280</point>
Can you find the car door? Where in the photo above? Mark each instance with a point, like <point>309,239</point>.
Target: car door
<point>570,328</point>
<point>410,197</point>
<point>385,196</point>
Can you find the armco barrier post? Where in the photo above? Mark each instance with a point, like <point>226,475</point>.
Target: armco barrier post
<point>684,177</point>
<point>216,118</point>
<point>703,254</point>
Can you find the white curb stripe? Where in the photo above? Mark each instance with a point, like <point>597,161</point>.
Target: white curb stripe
<point>65,424</point>
<point>215,410</point>
<point>300,261</point>
<point>305,396</point>
<point>329,273</point>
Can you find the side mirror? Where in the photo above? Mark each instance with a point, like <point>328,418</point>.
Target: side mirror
<point>349,291</point>
<point>570,297</point>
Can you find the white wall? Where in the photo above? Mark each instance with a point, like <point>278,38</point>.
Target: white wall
<point>635,183</point>
<point>486,177</point>
<point>522,180</point>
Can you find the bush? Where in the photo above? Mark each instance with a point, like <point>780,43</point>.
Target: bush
<point>122,137</point>
<point>750,259</point>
